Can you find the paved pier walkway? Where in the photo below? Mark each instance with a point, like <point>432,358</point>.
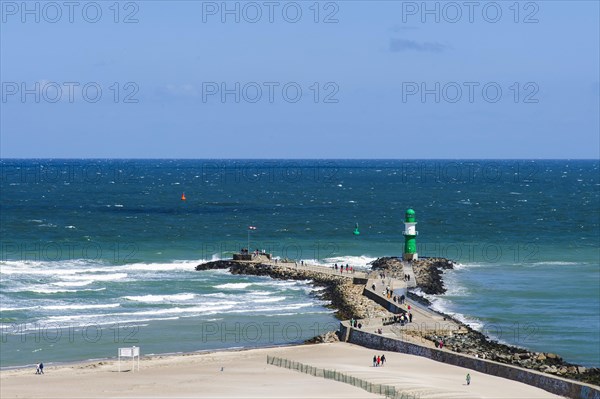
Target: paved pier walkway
<point>424,319</point>
<point>308,267</point>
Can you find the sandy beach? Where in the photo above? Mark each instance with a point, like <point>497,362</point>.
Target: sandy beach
<point>246,374</point>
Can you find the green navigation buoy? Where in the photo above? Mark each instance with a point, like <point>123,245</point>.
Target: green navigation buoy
<point>410,235</point>
<point>356,232</point>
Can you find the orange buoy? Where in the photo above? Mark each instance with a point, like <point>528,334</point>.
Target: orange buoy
<point>183,197</point>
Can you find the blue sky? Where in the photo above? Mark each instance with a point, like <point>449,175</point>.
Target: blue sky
<point>184,79</point>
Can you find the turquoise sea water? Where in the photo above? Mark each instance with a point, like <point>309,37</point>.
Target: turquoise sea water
<point>100,254</point>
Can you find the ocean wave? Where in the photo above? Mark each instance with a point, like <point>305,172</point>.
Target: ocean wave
<point>59,291</point>
<point>95,277</point>
<point>233,286</point>
<point>444,305</point>
<point>252,309</point>
<point>14,309</point>
<point>354,261</point>
<point>160,298</point>
<point>73,283</point>
<point>81,266</point>
<point>80,307</point>
<point>463,266</point>
<point>267,300</point>
<point>190,311</point>
<point>555,263</point>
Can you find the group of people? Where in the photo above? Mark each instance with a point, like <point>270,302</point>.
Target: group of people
<point>355,323</point>
<point>402,319</point>
<point>349,269</point>
<point>400,299</point>
<point>39,368</point>
<point>378,360</point>
<point>407,277</point>
<point>245,251</point>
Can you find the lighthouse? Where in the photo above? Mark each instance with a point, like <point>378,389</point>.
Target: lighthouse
<point>410,235</point>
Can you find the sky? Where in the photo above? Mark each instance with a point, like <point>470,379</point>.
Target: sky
<point>305,79</point>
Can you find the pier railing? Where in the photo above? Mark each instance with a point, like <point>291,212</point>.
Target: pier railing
<point>380,389</point>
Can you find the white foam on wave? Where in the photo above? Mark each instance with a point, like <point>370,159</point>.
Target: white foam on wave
<point>354,261</point>
<point>82,266</point>
<point>464,266</point>
<point>79,283</point>
<point>35,268</point>
<point>96,277</point>
<point>80,307</point>
<point>555,263</point>
<point>59,291</point>
<point>294,306</point>
<point>269,300</point>
<point>234,286</point>
<point>444,305</point>
<point>160,298</point>
<point>188,311</point>
<point>158,267</point>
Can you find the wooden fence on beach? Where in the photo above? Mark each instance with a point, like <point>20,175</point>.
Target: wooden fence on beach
<point>387,390</point>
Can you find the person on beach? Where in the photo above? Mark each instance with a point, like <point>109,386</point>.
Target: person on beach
<point>468,379</point>
<point>40,368</point>
<point>382,360</point>
<point>409,317</point>
<point>374,361</point>
<point>378,360</point>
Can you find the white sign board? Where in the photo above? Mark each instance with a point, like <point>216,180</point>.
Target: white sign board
<point>126,352</point>
<point>132,352</point>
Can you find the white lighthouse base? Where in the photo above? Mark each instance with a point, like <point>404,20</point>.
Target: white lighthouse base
<point>408,257</point>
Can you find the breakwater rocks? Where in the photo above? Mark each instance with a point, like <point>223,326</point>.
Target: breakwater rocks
<point>391,265</point>
<point>428,274</point>
<point>345,297</point>
<point>474,343</point>
<point>328,337</point>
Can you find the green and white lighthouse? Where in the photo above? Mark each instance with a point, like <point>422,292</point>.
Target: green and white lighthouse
<point>410,236</point>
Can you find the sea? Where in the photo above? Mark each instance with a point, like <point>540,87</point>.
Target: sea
<point>97,255</point>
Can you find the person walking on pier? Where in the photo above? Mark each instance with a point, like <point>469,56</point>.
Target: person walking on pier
<point>468,379</point>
